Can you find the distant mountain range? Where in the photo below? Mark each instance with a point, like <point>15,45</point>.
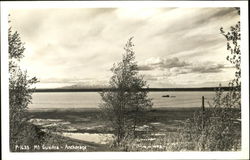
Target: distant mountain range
<point>83,86</point>
<point>75,88</point>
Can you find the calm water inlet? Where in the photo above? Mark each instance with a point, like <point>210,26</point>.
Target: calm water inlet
<point>93,99</point>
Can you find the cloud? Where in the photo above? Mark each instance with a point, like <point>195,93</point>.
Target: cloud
<point>208,68</point>
<point>70,45</point>
<point>194,18</point>
<point>162,63</point>
<point>171,63</point>
<point>180,66</point>
<point>199,68</point>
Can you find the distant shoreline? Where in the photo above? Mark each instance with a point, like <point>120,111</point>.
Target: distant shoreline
<point>202,89</point>
<point>98,109</point>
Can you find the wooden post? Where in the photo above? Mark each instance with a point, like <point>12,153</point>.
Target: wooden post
<point>203,122</point>
<point>203,111</point>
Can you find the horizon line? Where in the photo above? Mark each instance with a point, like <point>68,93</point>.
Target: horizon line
<point>143,89</point>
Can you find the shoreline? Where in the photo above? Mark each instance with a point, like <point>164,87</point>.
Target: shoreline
<point>192,89</point>
<point>85,126</point>
<point>90,119</point>
<point>98,109</point>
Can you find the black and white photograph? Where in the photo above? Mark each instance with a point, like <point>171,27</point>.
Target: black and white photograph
<point>125,79</point>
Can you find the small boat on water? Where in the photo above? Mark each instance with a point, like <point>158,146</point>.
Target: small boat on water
<point>166,95</point>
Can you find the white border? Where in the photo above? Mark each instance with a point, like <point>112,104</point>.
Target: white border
<point>244,154</point>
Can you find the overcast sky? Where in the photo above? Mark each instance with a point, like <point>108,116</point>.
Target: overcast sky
<point>175,47</point>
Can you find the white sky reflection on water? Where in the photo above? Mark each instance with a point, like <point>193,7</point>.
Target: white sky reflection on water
<point>90,137</point>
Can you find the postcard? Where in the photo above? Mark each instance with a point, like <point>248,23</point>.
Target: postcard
<point>125,80</point>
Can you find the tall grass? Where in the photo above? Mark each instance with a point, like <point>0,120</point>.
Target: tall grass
<point>216,129</point>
